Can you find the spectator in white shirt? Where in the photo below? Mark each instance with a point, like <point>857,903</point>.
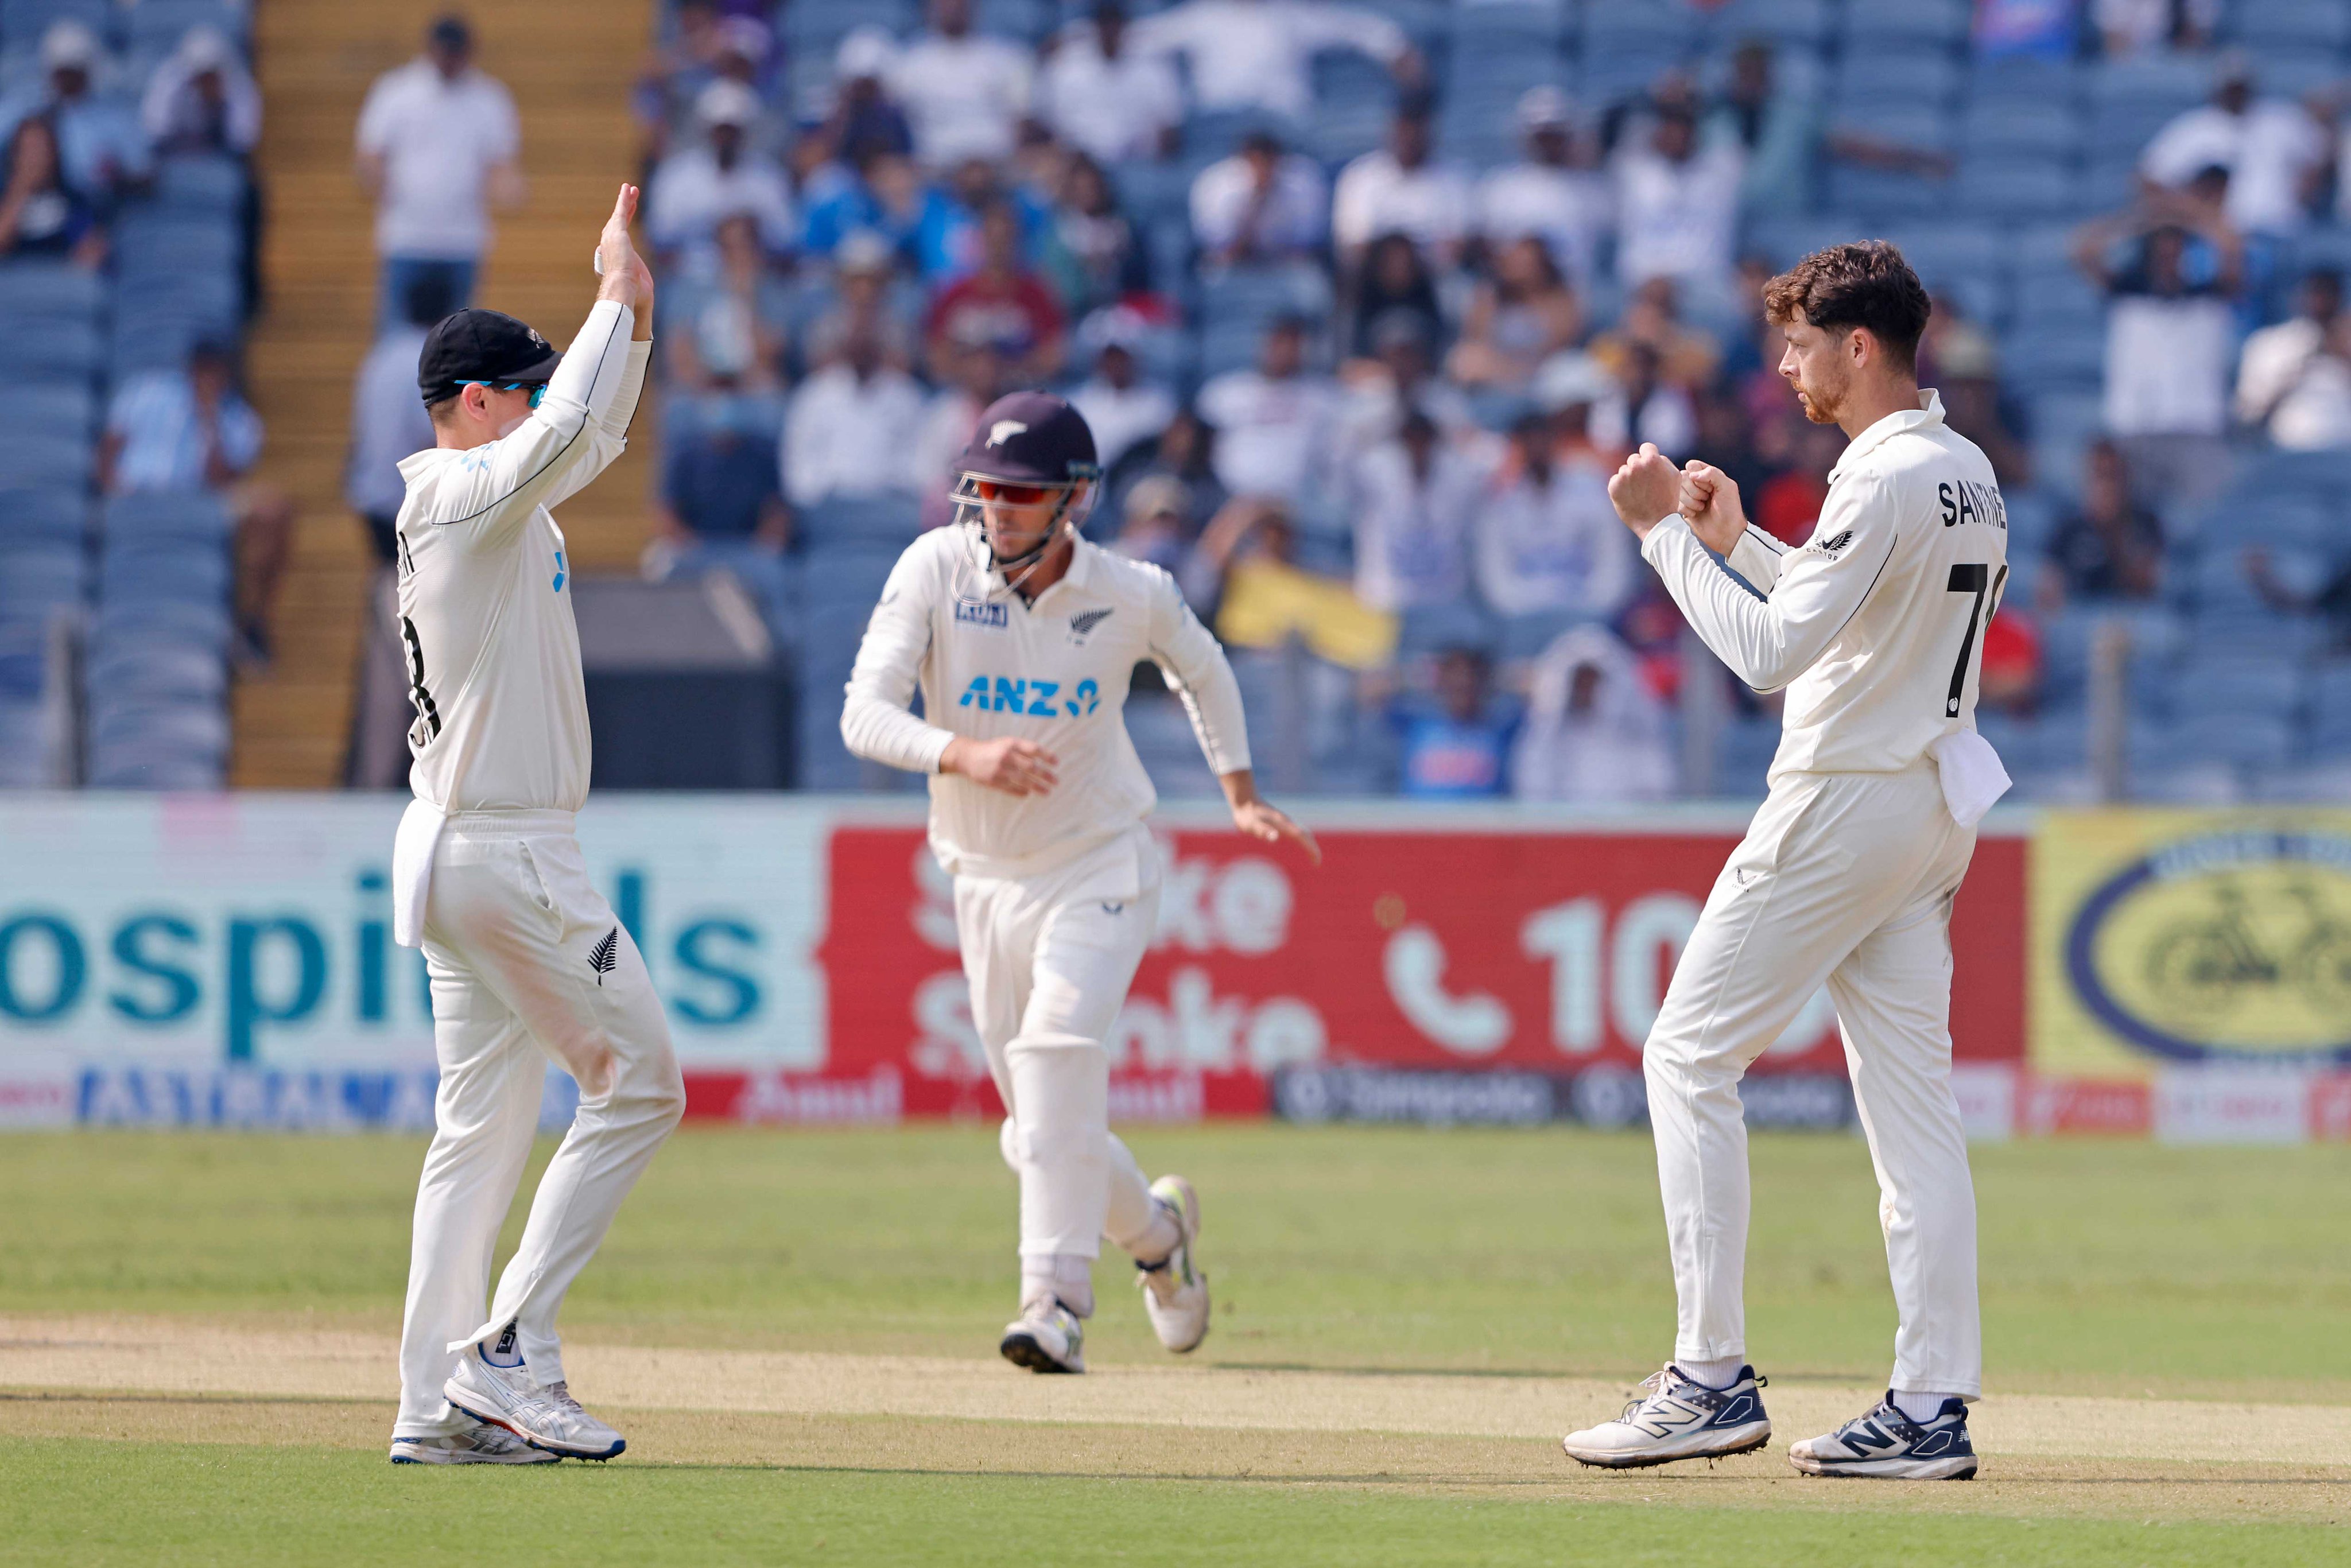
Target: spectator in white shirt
<point>439,146</point>
<point>1122,408</point>
<point>964,93</point>
<point>695,188</point>
<point>102,152</point>
<point>850,427</point>
<point>1275,424</point>
<point>1412,496</point>
<point>2293,381</point>
<point>2137,26</point>
<point>202,98</point>
<point>1104,97</point>
<point>190,430</point>
<point>2170,270</point>
<point>2276,152</point>
<point>1557,194</point>
<point>1402,189</point>
<point>1255,53</point>
<point>1677,207</point>
<point>1261,205</point>
<point>974,375</point>
<point>1542,540</point>
<point>388,419</point>
<point>1594,733</point>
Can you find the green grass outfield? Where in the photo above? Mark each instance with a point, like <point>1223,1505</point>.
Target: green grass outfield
<point>2109,1270</point>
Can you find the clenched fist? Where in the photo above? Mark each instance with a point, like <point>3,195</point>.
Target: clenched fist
<point>1709,503</point>
<point>1646,490</point>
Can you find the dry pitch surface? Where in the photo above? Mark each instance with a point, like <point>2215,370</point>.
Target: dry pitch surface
<point>164,1380</point>
<point>1410,1322</point>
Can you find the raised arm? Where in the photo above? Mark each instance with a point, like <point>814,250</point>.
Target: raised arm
<point>582,425</point>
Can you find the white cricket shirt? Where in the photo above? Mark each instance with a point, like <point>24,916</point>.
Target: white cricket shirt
<point>486,622</point>
<point>1877,627</point>
<point>1055,672</point>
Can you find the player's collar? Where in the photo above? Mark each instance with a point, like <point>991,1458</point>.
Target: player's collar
<point>1928,412</point>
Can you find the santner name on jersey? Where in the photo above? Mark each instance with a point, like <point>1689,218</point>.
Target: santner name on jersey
<point>989,664</point>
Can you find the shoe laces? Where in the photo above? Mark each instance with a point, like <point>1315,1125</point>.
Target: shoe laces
<point>1652,1387</point>
<point>559,1394</point>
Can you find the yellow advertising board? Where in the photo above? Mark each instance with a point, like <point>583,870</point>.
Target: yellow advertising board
<point>2163,937</point>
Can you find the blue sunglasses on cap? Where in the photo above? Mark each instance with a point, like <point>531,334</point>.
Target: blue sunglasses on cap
<point>537,389</point>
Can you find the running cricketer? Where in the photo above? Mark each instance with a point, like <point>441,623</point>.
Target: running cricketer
<point>527,963</point>
<point>1023,637</point>
<point>1874,629</point>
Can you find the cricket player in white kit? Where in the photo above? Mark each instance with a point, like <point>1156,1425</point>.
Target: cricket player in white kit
<point>1874,629</point>
<point>1023,638</point>
<point>528,964</point>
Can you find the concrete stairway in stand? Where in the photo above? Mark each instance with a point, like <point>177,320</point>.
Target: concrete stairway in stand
<point>568,64</point>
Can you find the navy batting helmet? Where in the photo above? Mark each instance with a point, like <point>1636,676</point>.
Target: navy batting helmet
<point>1040,450</point>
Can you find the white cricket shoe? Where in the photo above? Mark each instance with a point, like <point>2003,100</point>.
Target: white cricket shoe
<point>1677,1419</point>
<point>545,1414</point>
<point>1886,1445</point>
<point>480,1443</point>
<point>1045,1337</point>
<point>1174,1291</point>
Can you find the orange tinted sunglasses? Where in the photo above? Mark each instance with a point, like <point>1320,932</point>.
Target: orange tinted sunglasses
<point>1014,494</point>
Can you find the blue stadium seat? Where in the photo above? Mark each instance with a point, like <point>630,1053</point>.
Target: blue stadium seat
<point>2301,27</point>
<point>1026,20</point>
<point>2027,81</point>
<point>49,348</point>
<point>1867,82</point>
<point>138,674</point>
<point>1501,29</point>
<point>2065,424</point>
<point>1879,196</point>
<point>1427,628</point>
<point>166,517</point>
<point>1806,24</point>
<point>190,624</point>
<point>861,525</point>
<point>168,571</point>
<point>199,186</point>
<point>2040,129</point>
<point>163,745</point>
<point>1639,26</point>
<point>38,576</point>
<point>36,460</point>
<point>2019,189</point>
<point>150,239</point>
<point>816,27</point>
<point>1942,24</point>
<point>60,409</point>
<point>32,288</point>
<point>58,516</point>
<point>1620,73</point>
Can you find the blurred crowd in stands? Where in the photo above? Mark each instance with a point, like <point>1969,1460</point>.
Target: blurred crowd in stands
<point>1364,302</point>
<point>139,551</point>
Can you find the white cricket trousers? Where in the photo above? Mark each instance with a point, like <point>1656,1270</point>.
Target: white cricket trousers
<point>529,965</point>
<point>1846,879</point>
<point>1048,959</point>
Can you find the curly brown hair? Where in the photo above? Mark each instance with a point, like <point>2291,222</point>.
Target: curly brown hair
<point>1865,283</point>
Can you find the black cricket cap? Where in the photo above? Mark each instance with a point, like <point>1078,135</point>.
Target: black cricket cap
<point>1030,438</point>
<point>477,345</point>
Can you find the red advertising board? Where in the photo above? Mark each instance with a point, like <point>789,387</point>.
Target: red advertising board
<point>1530,951</point>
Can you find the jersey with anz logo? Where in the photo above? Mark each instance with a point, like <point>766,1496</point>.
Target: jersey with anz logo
<point>1056,671</point>
<point>486,636</point>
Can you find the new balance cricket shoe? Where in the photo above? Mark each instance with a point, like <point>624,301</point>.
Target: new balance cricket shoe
<point>1886,1445</point>
<point>1045,1337</point>
<point>543,1415</point>
<point>1174,1291</point>
<point>480,1444</point>
<point>1678,1419</point>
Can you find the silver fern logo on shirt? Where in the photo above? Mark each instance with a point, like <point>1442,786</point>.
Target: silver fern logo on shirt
<point>1085,621</point>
